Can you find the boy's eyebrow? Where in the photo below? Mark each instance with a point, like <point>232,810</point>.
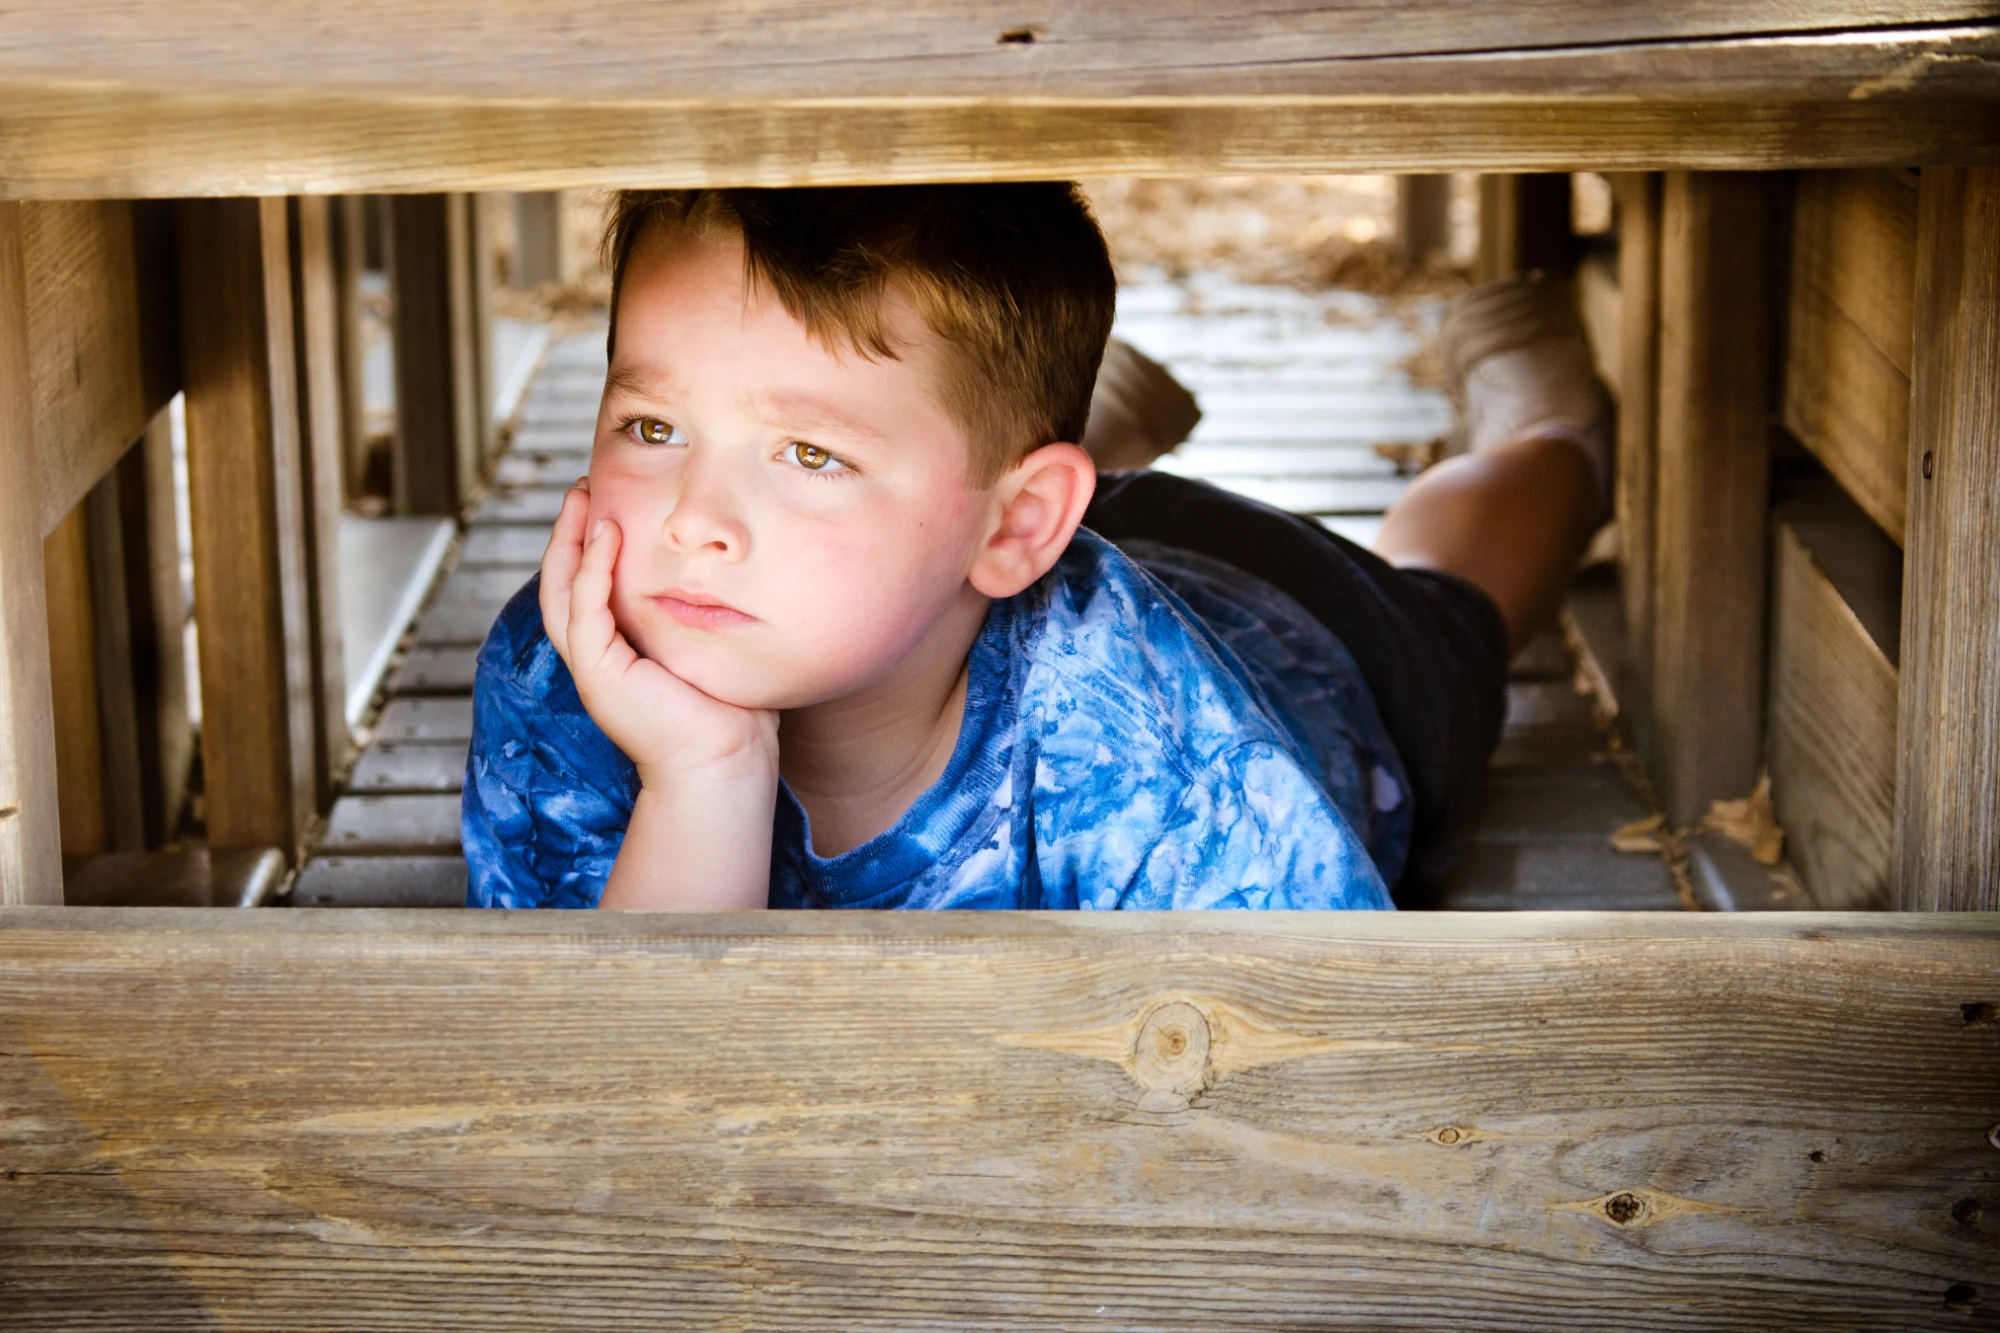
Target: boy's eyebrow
<point>640,384</point>
<point>818,411</point>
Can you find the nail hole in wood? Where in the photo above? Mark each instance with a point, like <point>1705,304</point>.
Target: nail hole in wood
<point>1968,1212</point>
<point>1980,1014</point>
<point>1961,1297</point>
<point>1818,1155</point>
<point>1026,37</point>
<point>1927,465</point>
<point>1623,1209</point>
<point>9,810</point>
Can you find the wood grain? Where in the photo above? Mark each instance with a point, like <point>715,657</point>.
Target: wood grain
<point>70,636</point>
<point>88,346</point>
<point>1835,609</point>
<point>1710,541</point>
<point>1638,198</point>
<point>128,100</point>
<point>437,454</point>
<point>247,492</point>
<point>30,837</point>
<point>1225,1121</point>
<point>1848,338</point>
<point>1948,780</point>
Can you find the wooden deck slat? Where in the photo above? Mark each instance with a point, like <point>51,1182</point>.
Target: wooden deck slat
<point>993,1120</point>
<point>392,825</point>
<point>412,719</point>
<point>402,767</point>
<point>436,670</point>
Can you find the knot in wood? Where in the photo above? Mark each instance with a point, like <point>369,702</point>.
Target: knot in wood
<point>1624,1209</point>
<point>1170,1057</point>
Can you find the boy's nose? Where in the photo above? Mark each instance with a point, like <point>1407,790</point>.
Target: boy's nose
<point>704,516</point>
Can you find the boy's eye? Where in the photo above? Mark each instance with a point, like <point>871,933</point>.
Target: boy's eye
<point>811,457</point>
<point>652,430</point>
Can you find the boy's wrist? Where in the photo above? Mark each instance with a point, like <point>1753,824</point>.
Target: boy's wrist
<point>752,768</point>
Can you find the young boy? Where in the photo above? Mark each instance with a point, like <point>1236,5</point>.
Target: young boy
<point>843,616</point>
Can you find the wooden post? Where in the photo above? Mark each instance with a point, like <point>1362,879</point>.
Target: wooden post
<point>1716,275</point>
<point>1423,217</point>
<point>538,239</point>
<point>1524,224</point>
<point>30,845</point>
<point>479,253</point>
<point>73,693</point>
<point>1638,196</point>
<point>317,341</point>
<point>117,701</point>
<point>349,225</point>
<point>1948,778</point>
<point>436,415</point>
<point>155,611</point>
<point>250,561</point>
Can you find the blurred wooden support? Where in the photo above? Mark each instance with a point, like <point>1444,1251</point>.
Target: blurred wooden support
<point>111,606</point>
<point>154,612</point>
<point>247,487</point>
<point>538,238</point>
<point>316,340</point>
<point>1423,217</point>
<point>1948,782</point>
<point>30,832</point>
<point>481,262</point>
<point>348,224</point>
<point>1836,594</point>
<point>1714,480</point>
<point>461,95</point>
<point>437,453</point>
<point>1402,1121</point>
<point>1524,224</point>
<point>72,649</point>
<point>102,357</point>
<point>1638,197</point>
<point>1848,338</point>
<point>1602,305</point>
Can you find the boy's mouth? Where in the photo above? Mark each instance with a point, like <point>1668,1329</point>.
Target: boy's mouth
<point>699,612</point>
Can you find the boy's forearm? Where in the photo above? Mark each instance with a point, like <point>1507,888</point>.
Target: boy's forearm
<point>701,843</point>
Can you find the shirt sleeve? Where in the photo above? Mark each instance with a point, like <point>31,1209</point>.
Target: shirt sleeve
<point>547,795</point>
<point>1253,830</point>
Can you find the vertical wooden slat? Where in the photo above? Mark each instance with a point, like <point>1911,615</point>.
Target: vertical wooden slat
<point>156,612</point>
<point>72,648</point>
<point>1423,216</point>
<point>436,445</point>
<point>538,239</point>
<point>479,247</point>
<point>117,691</point>
<point>1524,224</point>
<point>316,338</point>
<point>1948,777</point>
<point>348,224</point>
<point>30,838</point>
<point>1714,485</point>
<point>249,554</point>
<point>1638,196</point>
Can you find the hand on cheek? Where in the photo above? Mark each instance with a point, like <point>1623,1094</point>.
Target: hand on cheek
<point>669,729</point>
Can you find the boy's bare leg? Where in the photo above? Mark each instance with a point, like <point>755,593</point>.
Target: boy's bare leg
<point>1513,513</point>
<point>1511,520</point>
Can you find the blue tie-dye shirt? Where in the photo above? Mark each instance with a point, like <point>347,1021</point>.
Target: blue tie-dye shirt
<point>1148,728</point>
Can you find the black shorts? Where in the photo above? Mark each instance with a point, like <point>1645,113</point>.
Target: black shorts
<point>1432,647</point>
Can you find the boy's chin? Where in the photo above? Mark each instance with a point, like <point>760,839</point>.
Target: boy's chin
<point>735,683</point>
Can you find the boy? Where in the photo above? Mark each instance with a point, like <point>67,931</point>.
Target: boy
<point>844,616</point>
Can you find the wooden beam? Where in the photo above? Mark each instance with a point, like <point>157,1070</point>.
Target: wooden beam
<point>1948,781</point>
<point>91,337</point>
<point>72,649</point>
<point>1638,197</point>
<point>1230,1121</point>
<point>30,837</point>
<point>392,97</point>
<point>1714,478</point>
<point>437,451</point>
<point>1848,338</point>
<point>1836,600</point>
<point>316,341</point>
<point>247,489</point>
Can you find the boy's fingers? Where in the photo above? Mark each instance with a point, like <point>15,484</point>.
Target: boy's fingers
<point>591,626</point>
<point>559,565</point>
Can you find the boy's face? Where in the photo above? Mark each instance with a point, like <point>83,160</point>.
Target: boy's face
<point>796,521</point>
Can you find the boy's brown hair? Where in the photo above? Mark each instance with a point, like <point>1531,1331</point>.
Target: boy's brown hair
<point>1014,280</point>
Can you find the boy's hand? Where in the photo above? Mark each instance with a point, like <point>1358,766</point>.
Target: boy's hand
<point>670,730</point>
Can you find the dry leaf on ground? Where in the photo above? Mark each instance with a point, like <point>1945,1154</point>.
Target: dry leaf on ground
<point>1750,823</point>
<point>1641,835</point>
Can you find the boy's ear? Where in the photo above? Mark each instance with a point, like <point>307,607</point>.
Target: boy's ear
<point>1038,504</point>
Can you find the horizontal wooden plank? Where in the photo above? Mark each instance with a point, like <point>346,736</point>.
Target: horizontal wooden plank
<point>1848,342</point>
<point>425,720</point>
<point>134,100</point>
<point>392,825</point>
<point>440,670</point>
<point>1230,1121</point>
<point>504,545</point>
<point>381,881</point>
<point>101,341</point>
<point>409,767</point>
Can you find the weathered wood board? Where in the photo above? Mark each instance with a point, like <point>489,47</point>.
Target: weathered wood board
<point>1224,1121</point>
<point>124,99</point>
<point>1836,604</point>
<point>1848,339</point>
